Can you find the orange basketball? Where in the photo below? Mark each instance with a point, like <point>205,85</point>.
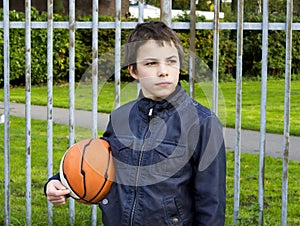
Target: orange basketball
<point>87,170</point>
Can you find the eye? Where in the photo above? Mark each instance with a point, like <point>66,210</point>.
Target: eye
<point>172,61</point>
<point>151,63</point>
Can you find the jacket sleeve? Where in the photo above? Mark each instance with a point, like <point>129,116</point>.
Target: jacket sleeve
<point>109,131</point>
<point>210,174</point>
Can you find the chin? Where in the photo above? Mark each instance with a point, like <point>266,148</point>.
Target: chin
<point>163,96</point>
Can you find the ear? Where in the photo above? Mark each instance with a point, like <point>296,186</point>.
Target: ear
<point>132,72</point>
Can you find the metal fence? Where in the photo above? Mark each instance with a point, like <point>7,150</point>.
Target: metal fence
<point>118,25</point>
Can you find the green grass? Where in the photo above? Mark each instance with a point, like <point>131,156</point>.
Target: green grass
<point>249,209</point>
<point>227,101</point>
<point>249,181</point>
<point>275,106</point>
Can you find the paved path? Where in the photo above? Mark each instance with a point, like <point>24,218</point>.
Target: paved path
<point>249,139</point>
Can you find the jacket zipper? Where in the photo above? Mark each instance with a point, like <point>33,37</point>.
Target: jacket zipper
<point>138,173</point>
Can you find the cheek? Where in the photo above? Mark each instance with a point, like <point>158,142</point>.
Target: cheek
<point>146,80</point>
<point>175,73</point>
<point>147,73</point>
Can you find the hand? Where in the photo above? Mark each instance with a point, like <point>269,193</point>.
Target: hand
<point>56,192</point>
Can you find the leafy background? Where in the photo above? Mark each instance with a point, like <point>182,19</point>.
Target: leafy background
<point>204,48</point>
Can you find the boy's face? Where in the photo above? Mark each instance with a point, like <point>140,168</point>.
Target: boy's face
<point>157,69</point>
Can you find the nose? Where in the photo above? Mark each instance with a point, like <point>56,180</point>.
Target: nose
<point>162,70</point>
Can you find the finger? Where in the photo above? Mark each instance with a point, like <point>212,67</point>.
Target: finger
<point>58,203</point>
<point>59,186</point>
<point>63,192</point>
<point>57,200</point>
<point>58,192</point>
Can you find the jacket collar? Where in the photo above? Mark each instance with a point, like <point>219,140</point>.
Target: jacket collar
<point>148,107</point>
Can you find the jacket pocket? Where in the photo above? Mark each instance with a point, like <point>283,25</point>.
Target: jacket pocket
<point>172,211</point>
<point>121,148</point>
<point>169,159</point>
<point>108,207</point>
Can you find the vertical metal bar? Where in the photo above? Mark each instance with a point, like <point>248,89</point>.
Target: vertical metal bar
<point>28,108</point>
<point>50,97</point>
<point>141,11</point>
<point>6,114</point>
<point>95,85</point>
<point>72,91</point>
<point>215,78</point>
<point>95,69</point>
<point>263,108</point>
<point>239,66</point>
<point>192,47</point>
<point>140,20</point>
<point>287,100</point>
<point>118,53</point>
<point>166,11</point>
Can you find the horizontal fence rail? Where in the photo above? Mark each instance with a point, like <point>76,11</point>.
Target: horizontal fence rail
<point>72,25</point>
<point>279,26</point>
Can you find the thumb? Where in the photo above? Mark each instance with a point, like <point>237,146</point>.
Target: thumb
<point>59,186</point>
<point>63,189</point>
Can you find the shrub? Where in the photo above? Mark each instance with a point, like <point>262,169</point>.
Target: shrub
<point>83,50</point>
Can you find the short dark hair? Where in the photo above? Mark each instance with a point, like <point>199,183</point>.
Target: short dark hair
<point>152,30</point>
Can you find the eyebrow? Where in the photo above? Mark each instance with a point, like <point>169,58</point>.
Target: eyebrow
<point>153,58</point>
<point>172,57</point>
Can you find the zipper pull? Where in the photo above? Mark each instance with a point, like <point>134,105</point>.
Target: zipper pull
<point>150,112</point>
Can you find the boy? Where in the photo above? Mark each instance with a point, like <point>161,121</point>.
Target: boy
<point>168,149</point>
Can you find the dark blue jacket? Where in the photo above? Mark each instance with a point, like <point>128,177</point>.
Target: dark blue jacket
<point>170,164</point>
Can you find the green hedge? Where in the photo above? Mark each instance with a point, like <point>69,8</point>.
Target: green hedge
<point>83,50</point>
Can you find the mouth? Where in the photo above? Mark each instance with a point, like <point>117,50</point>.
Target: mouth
<point>163,84</point>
